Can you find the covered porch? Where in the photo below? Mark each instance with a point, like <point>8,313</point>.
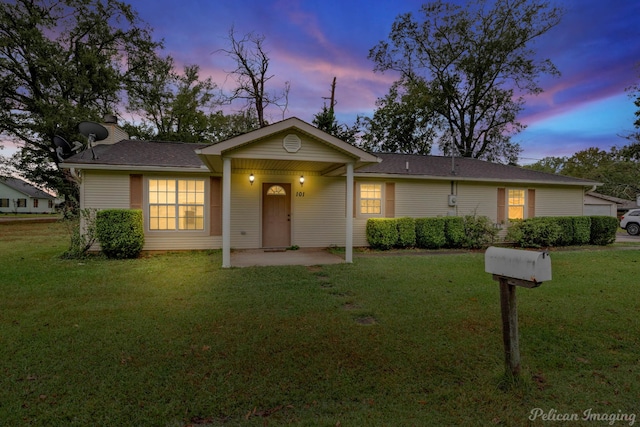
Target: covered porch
<point>285,185</point>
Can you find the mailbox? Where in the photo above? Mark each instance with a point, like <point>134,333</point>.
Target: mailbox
<point>524,268</point>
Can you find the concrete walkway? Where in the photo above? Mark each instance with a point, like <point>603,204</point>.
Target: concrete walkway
<point>266,257</point>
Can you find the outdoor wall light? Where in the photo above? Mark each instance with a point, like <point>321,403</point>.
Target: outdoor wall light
<point>301,180</point>
<point>251,179</point>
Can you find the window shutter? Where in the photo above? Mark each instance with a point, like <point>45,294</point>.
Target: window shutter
<point>501,205</point>
<point>135,191</point>
<point>531,203</point>
<point>355,198</point>
<point>215,206</point>
<point>390,200</point>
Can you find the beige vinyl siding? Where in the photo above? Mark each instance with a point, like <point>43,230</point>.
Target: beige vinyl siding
<point>478,199</point>
<point>103,190</point>
<point>272,149</point>
<point>319,216</point>
<point>420,199</point>
<point>245,210</point>
<point>317,210</point>
<point>559,201</point>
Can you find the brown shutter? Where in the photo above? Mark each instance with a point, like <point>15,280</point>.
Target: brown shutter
<point>501,205</point>
<point>355,198</point>
<point>135,191</point>
<point>531,203</point>
<point>390,200</point>
<point>215,206</point>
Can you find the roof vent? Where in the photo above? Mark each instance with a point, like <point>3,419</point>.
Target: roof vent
<point>291,143</point>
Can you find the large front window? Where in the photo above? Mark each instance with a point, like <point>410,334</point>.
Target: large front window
<point>371,199</point>
<point>176,204</point>
<point>516,204</point>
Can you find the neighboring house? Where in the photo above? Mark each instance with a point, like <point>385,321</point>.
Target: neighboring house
<point>18,196</point>
<point>600,204</point>
<point>291,184</point>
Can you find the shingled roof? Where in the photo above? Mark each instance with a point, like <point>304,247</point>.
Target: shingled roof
<point>464,168</point>
<point>26,188</point>
<point>150,154</point>
<point>142,153</point>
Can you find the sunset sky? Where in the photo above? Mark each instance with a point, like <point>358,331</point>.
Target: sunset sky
<point>596,48</point>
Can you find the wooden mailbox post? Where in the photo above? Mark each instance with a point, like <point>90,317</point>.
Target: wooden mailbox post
<point>515,267</point>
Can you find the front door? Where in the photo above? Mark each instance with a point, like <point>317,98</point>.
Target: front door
<point>276,215</point>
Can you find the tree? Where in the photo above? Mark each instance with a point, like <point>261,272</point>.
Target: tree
<point>474,64</point>
<point>548,164</point>
<point>172,104</point>
<point>327,122</point>
<point>402,124</point>
<point>62,62</point>
<point>252,74</point>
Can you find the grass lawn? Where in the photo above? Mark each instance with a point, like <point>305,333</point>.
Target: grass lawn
<point>174,340</point>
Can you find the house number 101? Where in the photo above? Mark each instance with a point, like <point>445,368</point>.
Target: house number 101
<point>299,193</point>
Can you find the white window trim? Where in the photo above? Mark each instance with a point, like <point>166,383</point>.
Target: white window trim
<point>359,214</point>
<point>177,231</point>
<point>525,207</point>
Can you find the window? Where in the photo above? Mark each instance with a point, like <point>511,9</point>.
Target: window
<point>516,200</point>
<point>21,203</point>
<point>35,203</point>
<point>50,203</point>
<point>4,203</point>
<point>176,204</point>
<point>371,199</point>
<point>276,190</point>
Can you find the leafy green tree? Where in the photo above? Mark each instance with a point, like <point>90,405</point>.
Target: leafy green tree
<point>62,62</point>
<point>172,104</point>
<point>473,64</point>
<point>548,164</point>
<point>402,123</point>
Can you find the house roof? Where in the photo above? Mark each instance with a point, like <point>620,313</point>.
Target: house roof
<point>25,188</point>
<point>178,156</point>
<point>212,155</point>
<point>137,153</point>
<point>621,203</point>
<point>464,169</point>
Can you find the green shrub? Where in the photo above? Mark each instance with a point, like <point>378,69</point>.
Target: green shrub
<point>406,232</point>
<point>479,231</point>
<point>120,232</point>
<point>567,231</point>
<point>603,230</point>
<point>454,231</point>
<point>581,230</point>
<point>535,232</point>
<point>382,233</point>
<point>430,233</point>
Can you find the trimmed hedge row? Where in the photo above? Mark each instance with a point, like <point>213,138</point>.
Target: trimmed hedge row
<point>430,233</point>
<point>120,232</point>
<point>563,231</point>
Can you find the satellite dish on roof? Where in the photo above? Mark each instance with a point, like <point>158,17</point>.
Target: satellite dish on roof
<point>98,131</point>
<point>94,132</point>
<point>64,149</point>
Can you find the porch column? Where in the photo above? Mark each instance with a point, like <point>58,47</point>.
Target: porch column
<point>226,212</point>
<point>348,245</point>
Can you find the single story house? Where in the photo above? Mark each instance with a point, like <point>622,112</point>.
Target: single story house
<point>291,184</point>
<point>601,204</point>
<point>18,196</point>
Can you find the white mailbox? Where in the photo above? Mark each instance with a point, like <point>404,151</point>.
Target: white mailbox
<point>527,268</point>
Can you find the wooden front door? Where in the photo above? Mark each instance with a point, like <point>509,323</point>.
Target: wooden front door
<point>276,215</point>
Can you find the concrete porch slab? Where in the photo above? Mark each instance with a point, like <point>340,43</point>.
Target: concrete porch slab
<point>268,257</point>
